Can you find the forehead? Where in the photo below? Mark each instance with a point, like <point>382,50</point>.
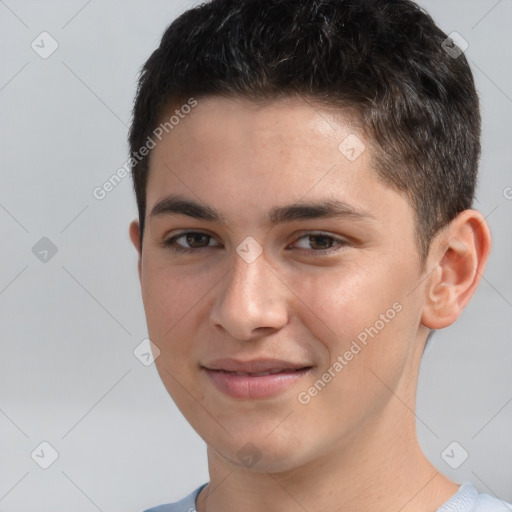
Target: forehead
<point>241,157</point>
<point>292,126</point>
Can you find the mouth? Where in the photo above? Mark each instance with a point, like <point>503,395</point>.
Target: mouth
<point>254,379</point>
<point>274,371</point>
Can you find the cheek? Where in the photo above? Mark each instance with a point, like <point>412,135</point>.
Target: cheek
<point>169,292</point>
<point>169,298</point>
<point>172,300</point>
<point>380,322</point>
<point>366,319</point>
<point>176,302</point>
<point>344,303</point>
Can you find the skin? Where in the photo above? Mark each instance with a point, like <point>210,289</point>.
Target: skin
<point>353,447</point>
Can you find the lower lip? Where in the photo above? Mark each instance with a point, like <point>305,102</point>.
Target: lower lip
<point>246,386</point>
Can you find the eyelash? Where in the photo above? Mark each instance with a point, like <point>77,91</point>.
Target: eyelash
<point>170,243</point>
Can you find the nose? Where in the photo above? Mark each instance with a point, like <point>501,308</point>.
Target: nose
<point>251,302</point>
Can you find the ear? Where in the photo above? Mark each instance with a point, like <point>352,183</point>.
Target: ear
<point>135,238</point>
<point>458,255</point>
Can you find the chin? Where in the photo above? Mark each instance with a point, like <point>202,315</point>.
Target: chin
<point>259,454</point>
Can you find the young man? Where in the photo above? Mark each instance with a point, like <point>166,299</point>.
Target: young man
<point>304,172</point>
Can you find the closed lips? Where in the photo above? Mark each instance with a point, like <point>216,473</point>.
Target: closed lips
<point>256,367</point>
<point>255,379</point>
<point>261,374</point>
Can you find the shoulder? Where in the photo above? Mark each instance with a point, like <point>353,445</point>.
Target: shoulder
<point>187,504</point>
<point>486,503</point>
<point>467,499</point>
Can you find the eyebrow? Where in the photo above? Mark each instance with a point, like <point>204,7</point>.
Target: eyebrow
<point>329,208</point>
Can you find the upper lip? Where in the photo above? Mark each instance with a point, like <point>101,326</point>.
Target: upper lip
<point>254,365</point>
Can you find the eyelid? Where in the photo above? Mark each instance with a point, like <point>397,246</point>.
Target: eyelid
<point>341,241</point>
<point>170,240</point>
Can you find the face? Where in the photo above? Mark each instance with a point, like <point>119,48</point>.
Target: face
<point>279,277</point>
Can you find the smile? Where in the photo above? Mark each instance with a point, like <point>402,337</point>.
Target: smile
<point>252,380</point>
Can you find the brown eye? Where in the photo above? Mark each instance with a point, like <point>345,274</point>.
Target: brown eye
<point>195,240</point>
<point>189,241</point>
<point>321,243</point>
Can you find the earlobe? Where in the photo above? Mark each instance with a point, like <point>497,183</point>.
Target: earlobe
<point>460,253</point>
<point>135,238</point>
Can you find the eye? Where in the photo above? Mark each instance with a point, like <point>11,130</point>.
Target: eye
<point>192,241</point>
<point>320,243</point>
<point>189,241</point>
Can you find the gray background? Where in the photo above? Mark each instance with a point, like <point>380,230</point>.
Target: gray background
<point>70,325</point>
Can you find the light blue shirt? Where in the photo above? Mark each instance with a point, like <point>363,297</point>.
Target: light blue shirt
<point>466,499</point>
